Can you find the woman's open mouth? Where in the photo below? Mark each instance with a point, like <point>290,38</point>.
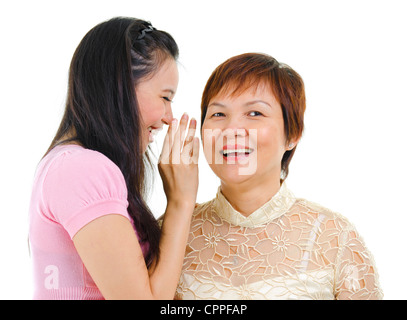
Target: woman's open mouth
<point>152,131</point>
<point>236,153</point>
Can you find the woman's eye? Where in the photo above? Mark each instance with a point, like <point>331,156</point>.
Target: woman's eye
<point>218,114</point>
<point>167,99</point>
<point>255,113</point>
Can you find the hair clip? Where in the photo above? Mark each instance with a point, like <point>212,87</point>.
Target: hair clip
<point>149,28</point>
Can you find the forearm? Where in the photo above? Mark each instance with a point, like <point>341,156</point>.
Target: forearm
<point>165,274</point>
<point>179,171</point>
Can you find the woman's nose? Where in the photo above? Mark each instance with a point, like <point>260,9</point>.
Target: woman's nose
<point>234,127</point>
<point>167,118</point>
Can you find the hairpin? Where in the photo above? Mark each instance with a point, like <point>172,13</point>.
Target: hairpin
<point>149,28</point>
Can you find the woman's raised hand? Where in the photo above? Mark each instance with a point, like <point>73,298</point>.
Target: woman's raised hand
<point>178,162</point>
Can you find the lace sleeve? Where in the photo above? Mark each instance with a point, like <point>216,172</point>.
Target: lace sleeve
<point>356,276</point>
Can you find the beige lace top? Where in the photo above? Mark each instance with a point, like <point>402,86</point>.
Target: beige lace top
<point>287,249</point>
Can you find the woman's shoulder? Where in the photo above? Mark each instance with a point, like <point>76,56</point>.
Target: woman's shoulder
<point>75,159</point>
<point>203,211</point>
<point>203,207</point>
<point>315,213</point>
<point>73,154</point>
<point>79,185</point>
<point>80,168</point>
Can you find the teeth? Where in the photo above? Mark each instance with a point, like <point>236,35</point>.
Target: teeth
<point>226,152</point>
<point>154,131</point>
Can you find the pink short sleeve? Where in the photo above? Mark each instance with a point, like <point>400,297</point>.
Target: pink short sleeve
<point>82,185</point>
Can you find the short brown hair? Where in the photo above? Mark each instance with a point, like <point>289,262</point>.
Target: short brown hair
<point>244,71</point>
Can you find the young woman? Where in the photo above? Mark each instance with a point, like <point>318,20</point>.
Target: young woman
<point>92,235</point>
<point>256,240</point>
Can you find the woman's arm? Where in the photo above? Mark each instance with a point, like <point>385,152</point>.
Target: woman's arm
<point>109,248</point>
<point>356,276</point>
<point>111,253</point>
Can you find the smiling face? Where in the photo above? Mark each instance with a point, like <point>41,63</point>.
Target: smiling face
<point>245,130</point>
<point>154,96</point>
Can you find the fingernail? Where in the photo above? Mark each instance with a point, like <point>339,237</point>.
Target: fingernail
<point>174,122</point>
<point>185,116</point>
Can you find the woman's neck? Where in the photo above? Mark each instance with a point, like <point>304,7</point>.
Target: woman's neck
<point>247,197</point>
<point>68,138</point>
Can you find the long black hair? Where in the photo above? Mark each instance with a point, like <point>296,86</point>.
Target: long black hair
<point>102,112</point>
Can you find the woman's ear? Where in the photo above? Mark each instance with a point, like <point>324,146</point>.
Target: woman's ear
<point>292,144</point>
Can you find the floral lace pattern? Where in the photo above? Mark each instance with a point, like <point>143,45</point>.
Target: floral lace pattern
<point>287,249</point>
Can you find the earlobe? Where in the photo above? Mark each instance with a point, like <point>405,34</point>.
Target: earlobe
<point>291,146</point>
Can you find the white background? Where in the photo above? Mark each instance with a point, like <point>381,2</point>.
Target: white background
<point>351,55</point>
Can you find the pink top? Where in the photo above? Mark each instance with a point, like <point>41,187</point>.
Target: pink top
<point>72,187</point>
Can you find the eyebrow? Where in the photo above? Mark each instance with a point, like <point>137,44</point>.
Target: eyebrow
<point>247,104</point>
<point>169,90</point>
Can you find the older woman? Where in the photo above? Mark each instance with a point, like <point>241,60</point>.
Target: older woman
<point>255,239</point>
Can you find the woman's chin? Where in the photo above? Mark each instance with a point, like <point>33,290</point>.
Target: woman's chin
<point>233,174</point>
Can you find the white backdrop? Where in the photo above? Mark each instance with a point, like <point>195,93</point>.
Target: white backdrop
<point>351,55</point>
